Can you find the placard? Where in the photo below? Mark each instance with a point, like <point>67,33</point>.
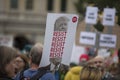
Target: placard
<point>107,40</point>
<point>109,17</point>
<point>6,40</point>
<point>76,53</point>
<point>88,38</point>
<point>104,53</point>
<point>59,38</point>
<point>91,15</point>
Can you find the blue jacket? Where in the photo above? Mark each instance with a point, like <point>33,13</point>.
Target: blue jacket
<point>29,73</point>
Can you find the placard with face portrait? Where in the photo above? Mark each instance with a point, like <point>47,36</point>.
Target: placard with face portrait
<point>59,38</point>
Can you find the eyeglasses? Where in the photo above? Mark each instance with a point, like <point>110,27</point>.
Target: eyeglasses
<point>19,61</point>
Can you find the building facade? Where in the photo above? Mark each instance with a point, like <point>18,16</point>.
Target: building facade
<point>28,17</point>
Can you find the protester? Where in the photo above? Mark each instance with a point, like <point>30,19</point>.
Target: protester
<point>35,69</point>
<point>63,69</point>
<point>22,64</point>
<point>73,73</point>
<point>90,63</point>
<point>99,63</point>
<point>118,73</point>
<point>83,59</point>
<point>7,63</point>
<point>73,64</point>
<point>114,70</point>
<point>90,73</point>
<point>20,41</point>
<point>26,50</point>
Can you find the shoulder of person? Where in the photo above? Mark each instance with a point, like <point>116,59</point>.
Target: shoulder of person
<point>48,76</point>
<point>30,72</point>
<point>6,79</point>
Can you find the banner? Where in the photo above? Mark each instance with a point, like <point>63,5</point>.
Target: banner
<point>91,15</point>
<point>107,40</point>
<point>109,17</point>
<point>6,40</point>
<point>59,38</point>
<point>88,38</point>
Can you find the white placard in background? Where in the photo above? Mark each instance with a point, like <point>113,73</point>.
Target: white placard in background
<point>88,38</point>
<point>104,53</point>
<point>6,40</point>
<point>91,15</point>
<point>107,40</point>
<point>59,37</point>
<point>109,16</point>
<point>76,53</point>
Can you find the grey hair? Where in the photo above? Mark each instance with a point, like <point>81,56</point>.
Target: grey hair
<point>36,53</point>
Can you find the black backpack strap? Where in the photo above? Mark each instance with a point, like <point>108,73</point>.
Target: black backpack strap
<point>41,72</point>
<point>21,77</point>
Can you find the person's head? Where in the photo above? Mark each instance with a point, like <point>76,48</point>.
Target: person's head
<point>22,62</point>
<point>73,64</point>
<point>113,68</point>
<point>61,24</point>
<point>83,59</point>
<point>55,61</point>
<point>20,41</point>
<point>36,54</point>
<point>63,68</point>
<point>90,73</point>
<point>27,49</point>
<point>90,63</point>
<point>98,62</point>
<point>7,61</point>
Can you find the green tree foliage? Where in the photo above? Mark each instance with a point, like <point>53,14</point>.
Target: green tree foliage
<point>101,4</point>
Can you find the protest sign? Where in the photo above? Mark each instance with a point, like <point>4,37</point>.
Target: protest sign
<point>91,15</point>
<point>59,38</point>
<point>88,38</point>
<point>76,53</point>
<point>109,17</point>
<point>107,40</point>
<point>6,40</point>
<point>103,52</point>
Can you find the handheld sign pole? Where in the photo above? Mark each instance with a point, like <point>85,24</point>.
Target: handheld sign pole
<point>88,27</point>
<point>90,19</point>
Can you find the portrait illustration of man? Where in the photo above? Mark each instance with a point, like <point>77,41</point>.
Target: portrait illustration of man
<point>61,24</point>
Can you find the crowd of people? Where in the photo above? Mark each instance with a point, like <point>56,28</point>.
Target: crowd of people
<point>16,65</point>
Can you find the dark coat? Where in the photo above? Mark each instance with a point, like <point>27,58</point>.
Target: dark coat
<point>116,76</point>
<point>6,78</point>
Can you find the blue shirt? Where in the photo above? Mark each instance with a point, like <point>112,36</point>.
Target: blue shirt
<point>29,73</point>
